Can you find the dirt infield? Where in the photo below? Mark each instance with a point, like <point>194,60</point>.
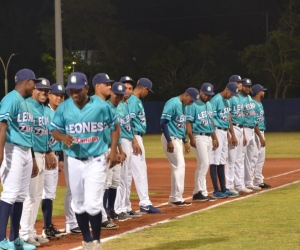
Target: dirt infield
<point>276,171</point>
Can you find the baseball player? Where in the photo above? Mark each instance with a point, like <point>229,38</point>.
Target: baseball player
<point>173,125</point>
<point>138,160</point>
<point>234,171</point>
<point>219,156</point>
<point>79,123</point>
<point>200,129</point>
<point>102,86</point>
<point>258,163</point>
<point>16,125</point>
<point>42,152</point>
<point>250,122</point>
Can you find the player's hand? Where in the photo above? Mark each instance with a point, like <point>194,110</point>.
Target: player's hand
<point>193,143</point>
<point>35,169</point>
<point>136,148</point>
<point>234,141</point>
<point>170,147</point>
<point>187,148</point>
<point>112,159</point>
<point>215,144</point>
<point>60,166</point>
<point>122,157</point>
<point>262,142</point>
<point>229,141</point>
<point>68,140</point>
<point>51,162</point>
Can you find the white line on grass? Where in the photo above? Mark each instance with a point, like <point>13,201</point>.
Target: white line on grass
<point>188,214</point>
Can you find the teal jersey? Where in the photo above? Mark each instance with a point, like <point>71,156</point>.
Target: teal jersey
<point>85,125</point>
<point>15,110</point>
<point>40,125</point>
<point>236,109</point>
<point>249,111</point>
<point>54,145</point>
<point>260,115</point>
<point>200,114</point>
<point>137,114</point>
<point>221,111</point>
<point>174,112</point>
<point>125,121</point>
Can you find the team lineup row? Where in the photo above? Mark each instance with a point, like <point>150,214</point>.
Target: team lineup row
<point>99,144</point>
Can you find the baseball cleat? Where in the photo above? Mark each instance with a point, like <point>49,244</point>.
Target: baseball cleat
<point>219,195</point>
<point>199,197</point>
<point>150,210</point>
<point>41,240</point>
<point>32,241</point>
<point>254,188</point>
<point>123,216</point>
<point>246,191</point>
<point>264,185</point>
<point>134,214</point>
<point>177,204</point>
<point>109,225</point>
<point>18,243</point>
<point>231,194</point>
<point>75,230</point>
<point>4,244</point>
<point>51,232</point>
<point>210,198</point>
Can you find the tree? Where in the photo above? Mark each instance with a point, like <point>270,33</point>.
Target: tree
<point>278,59</point>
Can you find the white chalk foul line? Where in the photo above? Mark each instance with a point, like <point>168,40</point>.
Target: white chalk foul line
<point>198,211</point>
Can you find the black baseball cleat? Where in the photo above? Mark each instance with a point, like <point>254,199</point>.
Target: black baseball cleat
<point>199,197</point>
<point>51,232</point>
<point>264,185</point>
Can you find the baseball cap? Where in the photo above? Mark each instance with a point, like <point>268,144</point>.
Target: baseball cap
<point>234,89</point>
<point>207,88</point>
<point>246,82</point>
<point>118,88</point>
<point>57,88</point>
<point>101,78</point>
<point>43,84</point>
<point>25,74</point>
<point>257,88</point>
<point>125,79</point>
<point>235,78</point>
<point>77,80</point>
<point>194,93</point>
<point>145,82</point>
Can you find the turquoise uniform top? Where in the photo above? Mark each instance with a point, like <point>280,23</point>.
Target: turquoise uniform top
<point>15,110</point>
<point>249,111</point>
<point>40,125</point>
<point>237,110</point>
<point>123,116</point>
<point>221,111</point>
<point>260,115</point>
<point>174,112</point>
<point>54,145</point>
<point>137,114</point>
<point>200,114</point>
<point>86,125</point>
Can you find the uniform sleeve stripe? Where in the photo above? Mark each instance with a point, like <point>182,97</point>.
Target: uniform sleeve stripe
<point>54,125</point>
<point>168,115</point>
<point>5,115</point>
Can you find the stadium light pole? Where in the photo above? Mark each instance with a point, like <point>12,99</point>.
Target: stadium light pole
<point>58,43</point>
<point>5,71</point>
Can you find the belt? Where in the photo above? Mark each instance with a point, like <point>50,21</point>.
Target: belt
<point>248,127</point>
<point>238,125</point>
<point>86,158</point>
<point>224,129</point>
<point>140,134</point>
<point>57,152</point>
<point>206,134</point>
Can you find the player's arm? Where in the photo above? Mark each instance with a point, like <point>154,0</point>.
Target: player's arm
<point>112,157</point>
<point>261,139</point>
<point>189,131</point>
<point>3,128</point>
<point>214,137</point>
<point>164,128</point>
<point>68,140</point>
<point>136,147</point>
<point>233,140</point>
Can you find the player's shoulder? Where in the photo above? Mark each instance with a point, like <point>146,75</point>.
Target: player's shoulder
<point>12,96</point>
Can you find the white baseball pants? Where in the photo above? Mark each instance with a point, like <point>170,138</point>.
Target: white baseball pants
<point>202,152</point>
<point>249,154</point>
<point>177,165</point>
<point>258,161</point>
<point>219,156</point>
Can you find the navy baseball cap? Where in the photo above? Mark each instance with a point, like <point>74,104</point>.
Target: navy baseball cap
<point>257,88</point>
<point>118,88</point>
<point>207,88</point>
<point>234,89</point>
<point>43,84</point>
<point>25,74</point>
<point>125,79</point>
<point>145,82</point>
<point>77,80</point>
<point>57,88</point>
<point>235,78</point>
<point>246,82</point>
<point>101,78</point>
<point>194,93</point>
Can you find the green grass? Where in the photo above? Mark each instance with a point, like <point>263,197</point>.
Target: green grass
<point>279,145</point>
<point>266,221</point>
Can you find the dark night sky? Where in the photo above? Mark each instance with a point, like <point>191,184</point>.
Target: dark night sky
<point>244,21</point>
